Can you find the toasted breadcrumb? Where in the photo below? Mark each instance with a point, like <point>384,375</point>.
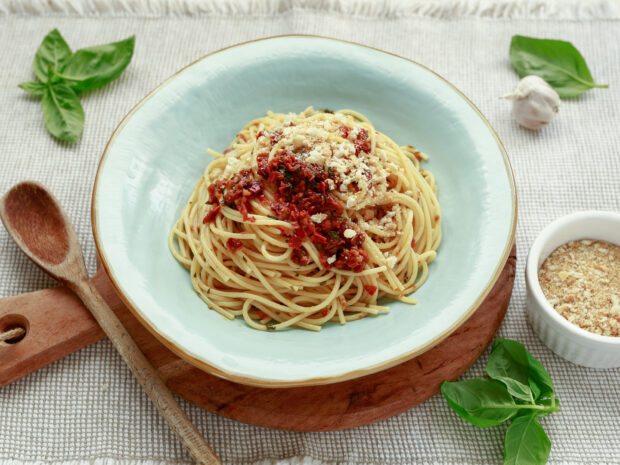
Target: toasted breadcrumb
<point>581,280</point>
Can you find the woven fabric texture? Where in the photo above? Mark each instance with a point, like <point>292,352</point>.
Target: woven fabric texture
<point>88,409</point>
<point>446,9</point>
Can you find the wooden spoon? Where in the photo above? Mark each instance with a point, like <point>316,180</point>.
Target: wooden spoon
<point>39,226</point>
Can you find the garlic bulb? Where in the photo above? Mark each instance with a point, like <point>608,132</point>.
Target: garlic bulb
<point>534,102</point>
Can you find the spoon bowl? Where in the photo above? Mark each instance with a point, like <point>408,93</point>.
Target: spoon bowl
<point>39,224</point>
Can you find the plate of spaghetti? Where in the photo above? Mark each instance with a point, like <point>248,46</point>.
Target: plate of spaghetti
<point>300,210</point>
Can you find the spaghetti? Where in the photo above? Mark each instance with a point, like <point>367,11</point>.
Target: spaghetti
<point>308,218</point>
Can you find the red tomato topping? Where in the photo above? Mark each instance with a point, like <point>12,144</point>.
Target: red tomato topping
<point>362,142</point>
<point>236,193</point>
<point>300,256</point>
<point>413,243</point>
<point>370,289</point>
<point>276,136</point>
<point>211,215</point>
<point>301,190</point>
<point>234,244</point>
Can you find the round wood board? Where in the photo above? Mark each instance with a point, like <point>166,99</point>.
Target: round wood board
<point>58,324</point>
<point>351,403</point>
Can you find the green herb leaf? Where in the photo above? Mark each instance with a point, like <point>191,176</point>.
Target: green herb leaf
<point>33,87</point>
<point>556,61</point>
<point>526,443</point>
<point>61,74</point>
<point>481,402</point>
<point>512,375</point>
<point>93,67</point>
<point>485,402</point>
<point>543,408</point>
<point>53,52</point>
<point>520,366</point>
<point>334,235</point>
<point>503,367</point>
<point>62,112</point>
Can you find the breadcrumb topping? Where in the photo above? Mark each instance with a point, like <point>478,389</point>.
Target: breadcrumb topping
<point>581,280</point>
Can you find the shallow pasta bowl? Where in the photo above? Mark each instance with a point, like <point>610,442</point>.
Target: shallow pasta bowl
<point>156,155</point>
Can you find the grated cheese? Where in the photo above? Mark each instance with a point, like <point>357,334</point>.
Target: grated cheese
<point>391,261</point>
<point>349,233</point>
<point>318,217</point>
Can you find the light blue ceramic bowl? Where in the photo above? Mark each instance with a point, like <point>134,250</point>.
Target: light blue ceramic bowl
<point>157,154</point>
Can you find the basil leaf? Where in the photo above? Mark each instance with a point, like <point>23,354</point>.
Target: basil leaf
<point>53,52</point>
<point>526,443</point>
<point>33,87</point>
<point>502,367</point>
<point>481,402</point>
<point>551,405</point>
<point>93,67</point>
<point>521,361</point>
<point>62,112</point>
<point>556,61</point>
<point>536,391</point>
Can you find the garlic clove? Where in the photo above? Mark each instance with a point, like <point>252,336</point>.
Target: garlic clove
<point>534,102</point>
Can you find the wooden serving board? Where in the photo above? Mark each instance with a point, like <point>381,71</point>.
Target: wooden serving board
<point>57,324</point>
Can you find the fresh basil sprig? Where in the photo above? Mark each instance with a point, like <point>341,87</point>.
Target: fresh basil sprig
<point>520,390</point>
<point>53,52</point>
<point>556,61</point>
<point>62,112</point>
<point>61,73</point>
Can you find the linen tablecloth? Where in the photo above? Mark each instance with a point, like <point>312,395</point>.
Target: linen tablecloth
<point>88,409</point>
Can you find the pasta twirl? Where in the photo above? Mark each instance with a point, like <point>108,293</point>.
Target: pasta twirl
<point>308,218</point>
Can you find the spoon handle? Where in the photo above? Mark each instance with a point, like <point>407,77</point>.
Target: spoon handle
<point>145,373</point>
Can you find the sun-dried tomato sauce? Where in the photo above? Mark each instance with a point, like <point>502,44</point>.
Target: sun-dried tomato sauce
<point>234,244</point>
<point>370,289</point>
<point>235,193</point>
<point>361,142</point>
<point>300,191</point>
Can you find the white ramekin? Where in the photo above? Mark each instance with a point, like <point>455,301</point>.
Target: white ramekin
<point>566,339</point>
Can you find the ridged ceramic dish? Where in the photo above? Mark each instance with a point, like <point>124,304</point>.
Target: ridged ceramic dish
<point>564,338</point>
<point>157,154</point>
